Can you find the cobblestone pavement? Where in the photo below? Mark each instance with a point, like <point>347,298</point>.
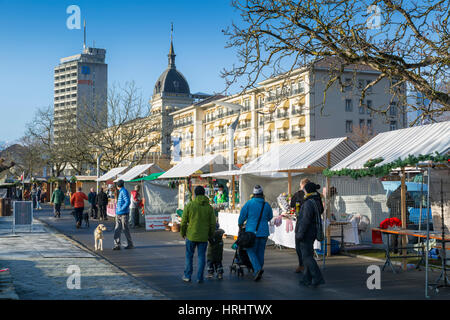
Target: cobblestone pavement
<point>39,261</point>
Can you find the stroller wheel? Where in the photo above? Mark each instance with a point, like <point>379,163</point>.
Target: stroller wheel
<point>240,272</point>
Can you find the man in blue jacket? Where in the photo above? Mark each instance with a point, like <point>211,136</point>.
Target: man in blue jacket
<point>122,214</point>
<point>251,212</point>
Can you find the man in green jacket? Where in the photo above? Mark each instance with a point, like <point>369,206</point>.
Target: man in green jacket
<point>57,200</point>
<point>197,226</point>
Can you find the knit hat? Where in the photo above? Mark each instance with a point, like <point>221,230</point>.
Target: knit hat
<point>257,190</point>
<point>199,191</point>
<point>311,187</point>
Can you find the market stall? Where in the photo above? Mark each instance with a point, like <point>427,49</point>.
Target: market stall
<point>187,174</point>
<point>424,148</point>
<point>108,181</point>
<point>160,201</point>
<point>278,172</point>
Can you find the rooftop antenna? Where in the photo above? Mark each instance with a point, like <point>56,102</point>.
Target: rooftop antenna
<point>84,42</point>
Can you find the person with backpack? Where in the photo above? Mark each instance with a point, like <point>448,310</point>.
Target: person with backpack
<point>57,199</point>
<point>307,230</point>
<point>256,213</point>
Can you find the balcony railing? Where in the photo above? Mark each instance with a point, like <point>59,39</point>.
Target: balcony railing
<point>282,136</point>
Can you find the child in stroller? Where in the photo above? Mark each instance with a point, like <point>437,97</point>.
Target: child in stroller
<point>240,259</point>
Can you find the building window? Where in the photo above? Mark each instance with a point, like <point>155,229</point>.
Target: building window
<point>348,105</point>
<point>369,90</point>
<point>349,126</point>
<point>361,110</point>
<point>393,125</point>
<point>348,84</point>
<point>393,109</point>
<point>369,105</point>
<point>361,123</point>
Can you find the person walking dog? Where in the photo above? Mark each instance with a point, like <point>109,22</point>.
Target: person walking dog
<point>198,224</point>
<point>257,213</point>
<point>122,216</point>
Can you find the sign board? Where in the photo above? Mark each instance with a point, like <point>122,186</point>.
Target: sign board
<point>111,208</point>
<point>22,214</point>
<point>155,222</point>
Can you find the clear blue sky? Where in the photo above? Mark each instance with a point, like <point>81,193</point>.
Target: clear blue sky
<point>135,33</point>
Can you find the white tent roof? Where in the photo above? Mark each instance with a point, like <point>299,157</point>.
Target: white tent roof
<point>134,172</point>
<point>222,174</point>
<point>299,156</point>
<point>190,166</point>
<point>401,143</point>
<point>111,174</point>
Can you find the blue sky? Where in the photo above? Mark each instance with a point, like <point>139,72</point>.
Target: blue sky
<point>136,35</point>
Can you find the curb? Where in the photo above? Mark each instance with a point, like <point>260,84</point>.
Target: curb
<point>7,290</point>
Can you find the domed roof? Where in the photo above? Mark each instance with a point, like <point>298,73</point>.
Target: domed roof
<point>171,80</point>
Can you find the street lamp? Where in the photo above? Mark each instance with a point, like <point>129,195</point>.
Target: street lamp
<point>264,132</point>
<point>232,128</point>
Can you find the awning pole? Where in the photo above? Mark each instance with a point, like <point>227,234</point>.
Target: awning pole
<point>233,201</point>
<point>428,233</point>
<point>290,183</point>
<point>326,216</point>
<point>403,212</point>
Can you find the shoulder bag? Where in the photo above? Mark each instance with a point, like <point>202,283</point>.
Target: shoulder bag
<point>248,238</point>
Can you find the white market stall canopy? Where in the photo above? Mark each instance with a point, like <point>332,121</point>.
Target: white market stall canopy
<point>196,165</point>
<point>401,143</point>
<point>222,174</point>
<point>136,171</point>
<point>111,174</point>
<point>300,156</point>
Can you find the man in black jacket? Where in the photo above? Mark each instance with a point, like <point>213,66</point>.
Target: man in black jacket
<point>306,233</point>
<point>296,203</point>
<point>102,203</point>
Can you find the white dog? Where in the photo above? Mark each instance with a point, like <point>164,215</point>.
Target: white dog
<point>98,235</point>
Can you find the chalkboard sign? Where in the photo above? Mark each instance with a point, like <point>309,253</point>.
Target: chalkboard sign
<point>23,213</point>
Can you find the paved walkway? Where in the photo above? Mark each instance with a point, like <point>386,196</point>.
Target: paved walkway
<point>158,260</point>
<point>38,263</point>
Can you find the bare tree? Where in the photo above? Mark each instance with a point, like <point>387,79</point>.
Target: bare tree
<point>39,140</point>
<point>362,135</point>
<point>407,42</point>
<point>119,131</point>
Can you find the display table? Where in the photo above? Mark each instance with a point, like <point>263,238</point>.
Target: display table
<point>282,235</point>
<point>229,222</point>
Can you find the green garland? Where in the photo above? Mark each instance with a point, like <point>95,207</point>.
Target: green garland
<point>373,162</point>
<point>385,169</point>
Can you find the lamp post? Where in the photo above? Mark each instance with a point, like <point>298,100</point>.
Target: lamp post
<point>98,169</point>
<point>231,129</point>
<point>264,131</point>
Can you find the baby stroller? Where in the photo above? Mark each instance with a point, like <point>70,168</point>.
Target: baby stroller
<point>240,259</point>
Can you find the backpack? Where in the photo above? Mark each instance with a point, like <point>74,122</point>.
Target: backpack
<point>318,222</point>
